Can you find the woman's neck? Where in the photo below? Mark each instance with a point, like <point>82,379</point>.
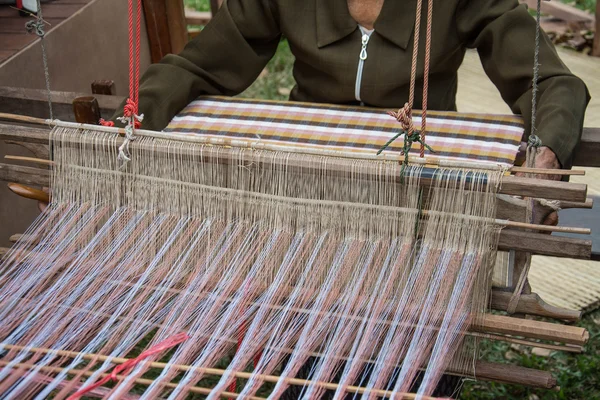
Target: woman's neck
<point>365,12</point>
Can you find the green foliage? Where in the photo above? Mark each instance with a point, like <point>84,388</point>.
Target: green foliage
<point>587,5</point>
<point>276,81</point>
<point>198,5</point>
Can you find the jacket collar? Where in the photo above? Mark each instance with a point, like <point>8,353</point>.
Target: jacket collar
<point>395,23</point>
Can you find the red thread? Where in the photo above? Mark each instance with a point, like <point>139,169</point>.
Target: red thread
<point>242,333</point>
<point>257,358</point>
<point>103,122</point>
<point>128,365</point>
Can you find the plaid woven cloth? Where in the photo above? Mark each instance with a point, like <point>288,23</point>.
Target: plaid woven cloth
<point>482,137</point>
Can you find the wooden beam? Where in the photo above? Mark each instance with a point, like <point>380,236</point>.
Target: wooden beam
<point>34,102</point>
<point>157,27</point>
<point>104,86</point>
<point>539,243</point>
<point>532,304</point>
<point>545,189</point>
<point>24,134</point>
<point>166,27</point>
<point>86,110</point>
<point>24,175</point>
<point>532,329</point>
<point>177,25</point>
<point>507,373</point>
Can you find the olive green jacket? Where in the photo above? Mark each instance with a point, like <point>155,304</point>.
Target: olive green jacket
<point>235,46</point>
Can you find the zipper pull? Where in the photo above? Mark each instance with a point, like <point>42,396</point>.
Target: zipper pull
<point>363,51</point>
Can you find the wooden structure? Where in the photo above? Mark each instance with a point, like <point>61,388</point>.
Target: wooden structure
<point>34,171</point>
<point>166,33</point>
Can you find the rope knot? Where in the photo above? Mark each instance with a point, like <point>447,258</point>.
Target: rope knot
<point>133,122</point>
<point>534,141</point>
<point>404,117</point>
<point>103,122</point>
<point>130,108</point>
<point>35,26</point>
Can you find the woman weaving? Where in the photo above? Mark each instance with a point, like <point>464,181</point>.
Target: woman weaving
<point>327,38</point>
<point>352,271</point>
<point>358,52</point>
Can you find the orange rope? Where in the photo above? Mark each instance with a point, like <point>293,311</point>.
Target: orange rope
<point>426,75</point>
<point>404,114</point>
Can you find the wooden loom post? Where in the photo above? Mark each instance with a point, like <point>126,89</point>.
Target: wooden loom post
<point>86,110</point>
<point>166,27</point>
<point>103,86</point>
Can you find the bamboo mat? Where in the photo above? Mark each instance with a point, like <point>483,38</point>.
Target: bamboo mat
<point>567,283</point>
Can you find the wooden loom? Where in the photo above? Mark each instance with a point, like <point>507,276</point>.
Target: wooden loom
<point>516,236</point>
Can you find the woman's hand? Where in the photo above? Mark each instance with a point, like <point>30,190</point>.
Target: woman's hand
<point>545,158</point>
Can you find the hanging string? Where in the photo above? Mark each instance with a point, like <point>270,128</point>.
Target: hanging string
<point>533,144</point>
<point>426,75</point>
<point>404,114</point>
<point>131,116</point>
<point>37,26</point>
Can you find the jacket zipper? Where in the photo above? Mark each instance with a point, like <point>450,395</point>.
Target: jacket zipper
<point>361,64</point>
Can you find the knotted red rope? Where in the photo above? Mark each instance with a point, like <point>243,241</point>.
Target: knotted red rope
<point>131,110</point>
<point>127,366</point>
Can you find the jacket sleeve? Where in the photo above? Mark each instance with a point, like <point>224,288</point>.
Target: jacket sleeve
<point>503,33</point>
<point>224,59</point>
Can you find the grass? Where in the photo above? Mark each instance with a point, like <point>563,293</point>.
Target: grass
<point>578,375</point>
<point>587,5</point>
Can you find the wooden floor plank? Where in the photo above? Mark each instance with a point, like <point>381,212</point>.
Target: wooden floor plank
<point>5,55</point>
<point>15,41</point>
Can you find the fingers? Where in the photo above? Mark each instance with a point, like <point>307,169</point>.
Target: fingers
<point>551,219</point>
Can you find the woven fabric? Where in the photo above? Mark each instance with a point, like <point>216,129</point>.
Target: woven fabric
<point>481,137</point>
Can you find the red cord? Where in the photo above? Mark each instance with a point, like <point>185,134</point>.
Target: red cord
<point>127,366</point>
<point>131,108</point>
